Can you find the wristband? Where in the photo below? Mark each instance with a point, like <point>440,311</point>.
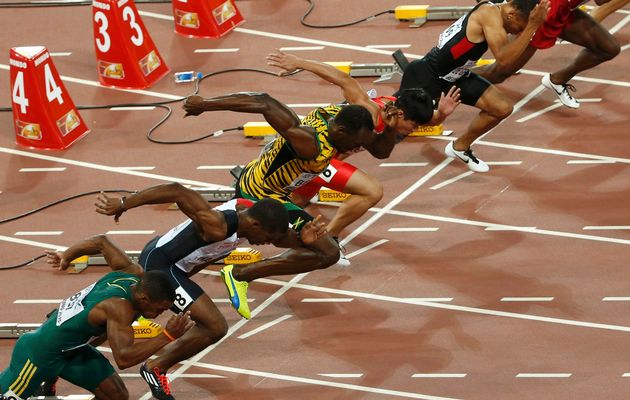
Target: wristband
<point>168,335</point>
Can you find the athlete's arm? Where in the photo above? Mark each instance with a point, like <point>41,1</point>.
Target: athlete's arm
<point>281,118</point>
<point>350,87</point>
<point>99,244</point>
<point>383,144</point>
<point>118,314</point>
<point>487,21</point>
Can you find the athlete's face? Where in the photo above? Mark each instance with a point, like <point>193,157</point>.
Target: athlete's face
<point>259,236</point>
<point>405,126</point>
<point>344,141</point>
<point>514,22</point>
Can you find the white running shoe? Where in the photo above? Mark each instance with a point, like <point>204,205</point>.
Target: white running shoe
<point>467,156</point>
<point>562,91</point>
<point>343,260</point>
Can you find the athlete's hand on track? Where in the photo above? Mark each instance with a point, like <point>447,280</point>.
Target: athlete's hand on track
<point>109,206</point>
<point>449,102</point>
<point>193,105</point>
<point>539,13</point>
<point>287,62</point>
<point>179,324</point>
<point>313,231</point>
<point>56,260</point>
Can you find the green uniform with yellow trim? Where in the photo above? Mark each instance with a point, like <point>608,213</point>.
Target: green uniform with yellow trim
<point>279,171</point>
<point>60,346</point>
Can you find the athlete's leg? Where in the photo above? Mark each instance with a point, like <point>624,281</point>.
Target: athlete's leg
<point>86,367</point>
<point>601,12</point>
<point>112,388</point>
<point>599,46</point>
<point>365,192</point>
<point>497,74</point>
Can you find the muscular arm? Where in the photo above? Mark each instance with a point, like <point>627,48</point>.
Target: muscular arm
<point>99,244</point>
<point>350,87</point>
<point>383,144</point>
<point>281,118</point>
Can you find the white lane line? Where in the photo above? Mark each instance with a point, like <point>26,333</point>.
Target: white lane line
<point>626,375</point>
<point>216,166</point>
<point>33,243</point>
<point>616,299</point>
<point>222,300</point>
<point>409,164</point>
<point>341,375</point>
<point>52,169</point>
<point>110,169</point>
<point>307,105</point>
<point>96,84</point>
<point>619,25</point>
<point>264,327</point>
<point>388,46</point>
<point>147,168</point>
<point>413,300</point>
<point>135,108</point>
<point>302,48</point>
<point>38,233</point>
<point>397,200</point>
<point>327,300</point>
<point>541,375</point>
<point>232,50</point>
<point>452,307</point>
<point>510,228</point>
<point>366,248</point>
<point>130,232</point>
<point>525,299</point>
<point>579,78</point>
<point>626,47</point>
<point>452,180</point>
<point>319,382</point>
<point>504,162</point>
<point>539,113</point>
<point>185,376</point>
<point>494,225</point>
<point>38,301</point>
<point>413,229</point>
<point>603,227</point>
<point>290,37</point>
<point>61,54</point>
<point>590,162</point>
<point>439,375</point>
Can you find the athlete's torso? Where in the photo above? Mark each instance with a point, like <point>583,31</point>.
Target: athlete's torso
<point>184,247</point>
<point>278,171</point>
<point>454,55</point>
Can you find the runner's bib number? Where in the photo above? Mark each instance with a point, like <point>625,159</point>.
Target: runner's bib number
<point>73,305</point>
<point>459,71</point>
<point>301,180</point>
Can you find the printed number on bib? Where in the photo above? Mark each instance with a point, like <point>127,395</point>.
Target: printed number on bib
<point>73,305</point>
<point>182,299</point>
<point>328,174</point>
<point>301,180</point>
<point>450,32</point>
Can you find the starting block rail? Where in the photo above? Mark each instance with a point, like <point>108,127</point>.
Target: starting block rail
<point>420,14</point>
<point>142,329</point>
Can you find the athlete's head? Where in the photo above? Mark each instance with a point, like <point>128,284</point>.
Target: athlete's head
<point>264,222</point>
<point>516,14</point>
<point>351,128</point>
<point>154,294</point>
<point>417,108</point>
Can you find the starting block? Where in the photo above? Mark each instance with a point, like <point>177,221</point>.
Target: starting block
<point>428,130</point>
<point>78,265</point>
<point>145,328</point>
<point>329,195</point>
<point>126,56</point>
<point>142,329</point>
<point>205,18</point>
<point>211,195</point>
<point>420,14</point>
<point>43,112</point>
<point>243,255</point>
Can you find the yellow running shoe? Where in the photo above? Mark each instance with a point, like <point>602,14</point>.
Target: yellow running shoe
<point>237,291</point>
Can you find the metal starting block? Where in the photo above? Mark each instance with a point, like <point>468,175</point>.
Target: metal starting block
<point>329,195</point>
<point>243,255</point>
<point>211,196</point>
<point>428,130</point>
<point>79,264</point>
<point>142,329</point>
<point>420,14</point>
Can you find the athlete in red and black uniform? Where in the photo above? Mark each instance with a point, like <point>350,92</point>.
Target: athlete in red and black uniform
<point>402,114</point>
<point>459,47</point>
<point>565,21</point>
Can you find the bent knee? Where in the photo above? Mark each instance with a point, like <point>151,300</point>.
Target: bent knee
<point>501,110</point>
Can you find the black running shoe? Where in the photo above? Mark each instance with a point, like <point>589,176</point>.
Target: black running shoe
<point>47,388</point>
<point>158,382</point>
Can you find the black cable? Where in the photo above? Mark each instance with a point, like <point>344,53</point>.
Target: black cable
<point>43,3</point>
<point>312,6</point>
<point>24,264</point>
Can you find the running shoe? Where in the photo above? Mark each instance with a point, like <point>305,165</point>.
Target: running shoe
<point>237,291</point>
<point>467,156</point>
<point>158,382</point>
<point>47,388</point>
<point>562,91</point>
<point>343,260</point>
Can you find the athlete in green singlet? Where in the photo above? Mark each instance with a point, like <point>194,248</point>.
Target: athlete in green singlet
<point>61,346</point>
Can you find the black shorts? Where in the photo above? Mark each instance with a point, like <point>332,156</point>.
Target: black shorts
<point>186,291</point>
<point>419,74</point>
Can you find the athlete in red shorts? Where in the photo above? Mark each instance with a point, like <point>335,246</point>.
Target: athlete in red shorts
<point>403,114</point>
<point>565,21</point>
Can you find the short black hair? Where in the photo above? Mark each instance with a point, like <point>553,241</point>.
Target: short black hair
<point>524,7</point>
<point>354,118</point>
<point>271,214</point>
<point>157,286</point>
<point>416,104</point>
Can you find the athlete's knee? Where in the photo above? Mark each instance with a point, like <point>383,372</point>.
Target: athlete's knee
<point>501,109</point>
<point>122,394</point>
<point>375,191</point>
<point>212,331</point>
<point>611,50</point>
